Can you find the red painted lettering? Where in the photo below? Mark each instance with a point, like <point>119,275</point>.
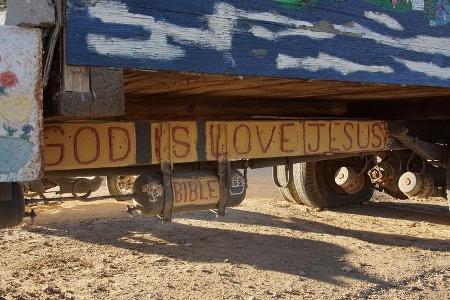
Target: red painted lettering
<point>358,136</point>
<point>376,136</point>
<point>58,146</point>
<point>265,148</point>
<point>177,191</point>
<point>184,144</point>
<point>348,135</point>
<point>317,146</point>
<point>111,138</point>
<point>284,140</point>
<point>212,189</point>
<point>185,191</point>
<point>97,145</point>
<point>235,140</point>
<point>215,142</point>
<point>202,196</point>
<point>331,138</point>
<point>193,194</point>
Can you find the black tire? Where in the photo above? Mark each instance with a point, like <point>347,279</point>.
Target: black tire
<point>114,188</point>
<point>314,183</point>
<point>289,192</point>
<point>13,211</point>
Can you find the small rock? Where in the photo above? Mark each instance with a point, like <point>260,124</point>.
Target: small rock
<point>301,273</point>
<point>161,259</point>
<point>347,269</point>
<point>226,260</point>
<point>52,290</point>
<point>252,298</point>
<point>170,286</point>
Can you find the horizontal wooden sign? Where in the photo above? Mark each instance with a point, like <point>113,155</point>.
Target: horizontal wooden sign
<point>382,41</point>
<point>81,146</point>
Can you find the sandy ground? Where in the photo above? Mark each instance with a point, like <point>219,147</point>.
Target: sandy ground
<point>265,249</point>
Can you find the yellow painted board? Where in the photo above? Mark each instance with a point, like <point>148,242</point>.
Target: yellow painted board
<point>256,139</point>
<point>83,146</point>
<point>198,191</point>
<point>174,141</point>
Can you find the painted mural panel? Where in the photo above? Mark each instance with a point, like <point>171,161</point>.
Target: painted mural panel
<point>383,41</point>
<point>20,104</point>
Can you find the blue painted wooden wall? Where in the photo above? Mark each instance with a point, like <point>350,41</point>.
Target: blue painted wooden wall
<point>382,41</point>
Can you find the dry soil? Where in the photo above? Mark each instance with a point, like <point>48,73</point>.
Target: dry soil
<point>265,249</point>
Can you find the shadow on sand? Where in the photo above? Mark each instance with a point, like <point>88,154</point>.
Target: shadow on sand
<point>322,261</point>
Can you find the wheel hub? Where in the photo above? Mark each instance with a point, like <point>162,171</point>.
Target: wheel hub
<point>347,179</point>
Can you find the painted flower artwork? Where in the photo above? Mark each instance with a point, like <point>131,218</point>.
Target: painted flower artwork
<point>20,104</point>
<point>8,79</point>
<point>15,132</point>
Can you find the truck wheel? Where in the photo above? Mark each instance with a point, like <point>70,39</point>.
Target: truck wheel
<point>288,191</point>
<point>120,185</point>
<point>12,211</point>
<point>316,186</point>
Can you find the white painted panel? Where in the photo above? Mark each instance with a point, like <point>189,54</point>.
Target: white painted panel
<point>2,17</point>
<point>20,103</point>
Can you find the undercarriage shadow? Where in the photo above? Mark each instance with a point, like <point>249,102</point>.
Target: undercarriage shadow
<point>322,261</point>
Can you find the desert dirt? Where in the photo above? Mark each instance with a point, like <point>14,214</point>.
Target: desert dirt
<point>265,249</point>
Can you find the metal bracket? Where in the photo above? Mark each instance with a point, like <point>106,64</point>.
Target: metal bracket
<point>167,172</point>
<point>289,175</point>
<point>55,32</point>
<point>426,150</point>
<point>224,172</point>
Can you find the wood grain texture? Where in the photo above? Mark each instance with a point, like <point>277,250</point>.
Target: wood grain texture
<point>116,144</point>
<point>104,98</point>
<point>354,40</point>
<point>187,96</point>
<point>76,79</point>
<point>170,85</point>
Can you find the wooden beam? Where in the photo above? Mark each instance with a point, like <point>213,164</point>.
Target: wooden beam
<point>76,79</point>
<point>227,109</point>
<point>104,98</point>
<point>172,85</point>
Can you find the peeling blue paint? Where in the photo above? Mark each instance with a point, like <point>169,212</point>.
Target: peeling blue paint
<point>333,40</point>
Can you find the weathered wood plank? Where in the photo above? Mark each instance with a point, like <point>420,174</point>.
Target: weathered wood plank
<point>376,41</point>
<point>104,97</point>
<point>228,109</point>
<point>76,79</point>
<point>109,145</point>
<point>20,104</point>
<point>160,86</point>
